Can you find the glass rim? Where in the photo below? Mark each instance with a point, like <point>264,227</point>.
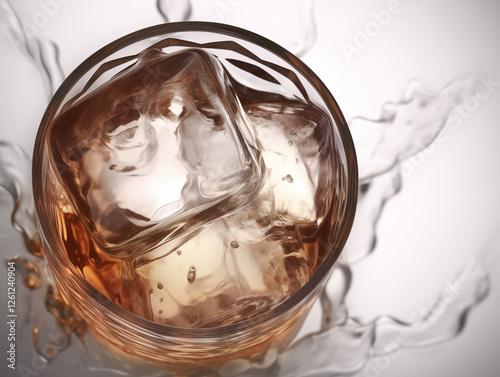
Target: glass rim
<point>351,168</point>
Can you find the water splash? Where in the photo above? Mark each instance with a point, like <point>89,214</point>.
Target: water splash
<point>50,335</point>
<point>332,299</point>
<point>30,266</point>
<point>174,10</point>
<point>15,177</point>
<point>343,350</point>
<point>307,36</point>
<point>44,54</point>
<point>444,319</point>
<point>372,198</point>
<point>404,129</point>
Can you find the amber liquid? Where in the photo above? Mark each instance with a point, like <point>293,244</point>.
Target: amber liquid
<point>119,282</point>
<point>110,277</point>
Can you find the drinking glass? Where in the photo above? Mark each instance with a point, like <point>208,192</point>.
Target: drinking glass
<point>193,350</point>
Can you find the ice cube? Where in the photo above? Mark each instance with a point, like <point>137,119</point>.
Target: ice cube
<point>296,145</point>
<point>164,141</point>
<point>218,276</point>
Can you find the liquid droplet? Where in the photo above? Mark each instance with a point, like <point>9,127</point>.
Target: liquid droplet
<point>68,322</point>
<point>235,244</point>
<point>191,274</point>
<point>160,286</point>
<point>289,178</point>
<point>179,252</point>
<point>290,143</point>
<point>173,11</point>
<point>29,272</point>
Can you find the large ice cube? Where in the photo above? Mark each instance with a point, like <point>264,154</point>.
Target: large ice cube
<point>163,141</point>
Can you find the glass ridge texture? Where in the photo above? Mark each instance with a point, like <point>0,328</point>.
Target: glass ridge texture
<point>247,63</point>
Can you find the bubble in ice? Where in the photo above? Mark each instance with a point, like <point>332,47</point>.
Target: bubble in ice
<point>191,274</point>
<point>235,244</point>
